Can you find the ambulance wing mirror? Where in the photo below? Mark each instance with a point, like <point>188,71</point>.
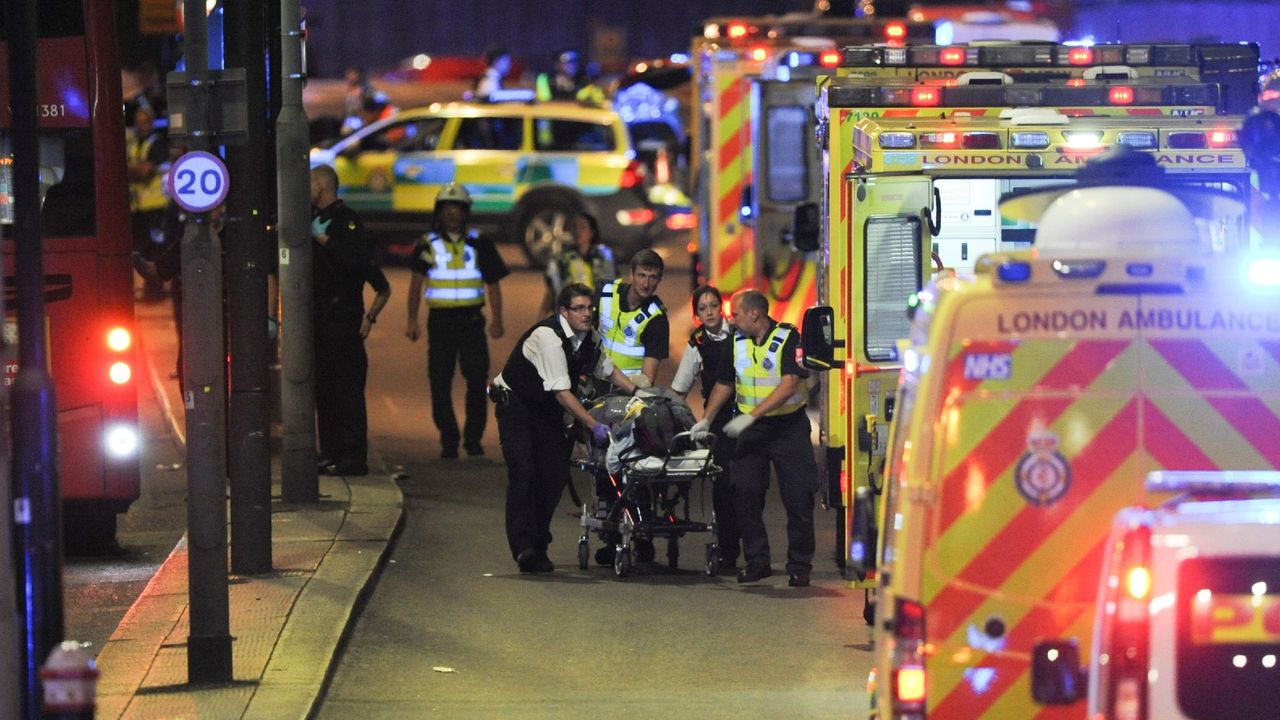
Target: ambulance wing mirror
<point>862,536</point>
<point>806,228</point>
<point>817,338</point>
<point>1056,675</point>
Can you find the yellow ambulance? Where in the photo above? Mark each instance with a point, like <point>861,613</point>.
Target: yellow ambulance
<point>1035,397</point>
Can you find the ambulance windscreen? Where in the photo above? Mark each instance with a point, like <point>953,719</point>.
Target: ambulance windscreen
<point>1228,640</point>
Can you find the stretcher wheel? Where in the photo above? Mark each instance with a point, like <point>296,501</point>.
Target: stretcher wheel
<point>584,554</point>
<point>622,562</point>
<point>713,560</point>
<point>673,553</point>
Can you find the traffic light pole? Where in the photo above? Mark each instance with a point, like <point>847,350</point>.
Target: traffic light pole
<point>299,479</point>
<point>204,395</point>
<point>34,427</point>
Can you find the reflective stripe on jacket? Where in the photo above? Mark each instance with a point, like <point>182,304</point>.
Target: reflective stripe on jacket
<point>620,331</point>
<point>145,195</point>
<point>758,371</point>
<point>454,279</point>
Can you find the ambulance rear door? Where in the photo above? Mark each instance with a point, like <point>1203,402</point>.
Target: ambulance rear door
<point>787,172</point>
<point>882,263</point>
<point>1035,447</point>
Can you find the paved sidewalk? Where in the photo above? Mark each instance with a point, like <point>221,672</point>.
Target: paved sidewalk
<point>287,626</point>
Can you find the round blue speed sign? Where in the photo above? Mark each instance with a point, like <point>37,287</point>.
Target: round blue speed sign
<point>198,181</point>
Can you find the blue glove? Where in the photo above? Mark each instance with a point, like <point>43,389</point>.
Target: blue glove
<point>319,227</point>
<point>600,433</point>
<point>273,328</point>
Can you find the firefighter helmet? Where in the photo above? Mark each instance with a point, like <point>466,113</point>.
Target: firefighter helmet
<point>453,192</point>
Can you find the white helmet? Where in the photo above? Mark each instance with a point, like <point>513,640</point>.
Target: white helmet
<point>1128,220</point>
<point>453,192</point>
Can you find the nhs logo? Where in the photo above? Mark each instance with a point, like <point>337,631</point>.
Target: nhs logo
<point>988,366</point>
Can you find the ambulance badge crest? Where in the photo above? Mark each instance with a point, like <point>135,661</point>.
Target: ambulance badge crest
<point>1042,473</point>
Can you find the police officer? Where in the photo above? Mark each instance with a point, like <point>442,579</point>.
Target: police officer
<point>633,321</point>
<point>148,157</point>
<point>699,364</point>
<point>341,265</point>
<point>534,390</point>
<point>771,428</point>
<point>585,261</point>
<point>461,269</point>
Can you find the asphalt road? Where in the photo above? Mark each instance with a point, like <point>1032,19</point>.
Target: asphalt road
<point>454,631</point>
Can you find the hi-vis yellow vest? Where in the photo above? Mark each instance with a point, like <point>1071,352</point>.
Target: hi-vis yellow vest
<point>758,371</point>
<point>144,195</point>
<point>620,331</point>
<point>454,280</point>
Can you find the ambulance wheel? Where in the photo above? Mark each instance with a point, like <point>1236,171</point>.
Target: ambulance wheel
<point>673,553</point>
<point>622,562</point>
<point>584,554</point>
<point>713,560</point>
<point>544,229</point>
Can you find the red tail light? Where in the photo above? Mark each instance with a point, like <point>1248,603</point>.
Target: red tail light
<point>737,31</point>
<point>1221,138</point>
<point>1120,95</point>
<point>829,58</point>
<point>633,176</point>
<point>638,216</point>
<point>951,56</point>
<point>119,339</point>
<point>1080,56</point>
<point>1125,651</point>
<point>895,31</point>
<point>910,681</point>
<point>925,96</point>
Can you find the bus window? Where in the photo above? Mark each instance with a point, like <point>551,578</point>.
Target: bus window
<point>66,183</point>
<point>54,18</point>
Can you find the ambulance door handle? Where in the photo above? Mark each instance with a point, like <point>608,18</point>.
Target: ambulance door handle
<point>964,251</point>
<point>934,218</point>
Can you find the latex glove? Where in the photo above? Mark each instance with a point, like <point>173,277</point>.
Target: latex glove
<point>641,381</point>
<point>700,431</point>
<point>600,433</point>
<point>273,328</point>
<point>319,227</point>
<point>738,425</point>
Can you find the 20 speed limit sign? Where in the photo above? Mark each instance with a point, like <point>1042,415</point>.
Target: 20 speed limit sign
<point>198,181</point>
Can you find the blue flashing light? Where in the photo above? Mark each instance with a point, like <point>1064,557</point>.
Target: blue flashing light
<point>1139,269</point>
<point>945,33</point>
<point>1012,272</point>
<point>679,57</point>
<point>1079,269</point>
<point>1265,272</point>
<point>857,551</point>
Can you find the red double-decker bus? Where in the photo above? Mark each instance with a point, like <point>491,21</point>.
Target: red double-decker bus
<point>88,276</point>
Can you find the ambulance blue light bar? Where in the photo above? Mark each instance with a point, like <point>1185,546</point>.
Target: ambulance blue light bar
<point>1014,272</point>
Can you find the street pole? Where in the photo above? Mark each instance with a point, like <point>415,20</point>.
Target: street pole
<point>35,431</point>
<point>204,395</point>
<point>299,477</point>
<point>248,256</point>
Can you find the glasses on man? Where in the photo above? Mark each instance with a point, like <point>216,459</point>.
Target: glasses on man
<point>582,308</point>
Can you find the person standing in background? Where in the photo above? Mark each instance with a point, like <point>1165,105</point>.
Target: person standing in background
<point>147,159</point>
<point>341,266</point>
<point>586,260</point>
<point>461,269</point>
<point>497,62</point>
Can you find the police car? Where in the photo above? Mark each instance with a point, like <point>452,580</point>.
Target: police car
<point>1188,616</point>
<point>529,167</point>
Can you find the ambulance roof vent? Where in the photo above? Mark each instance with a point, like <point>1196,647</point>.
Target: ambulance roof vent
<point>1110,72</point>
<point>1034,116</point>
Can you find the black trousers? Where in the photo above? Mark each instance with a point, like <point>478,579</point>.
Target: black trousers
<point>536,450</point>
<point>782,442</point>
<point>341,367</point>
<point>723,498</point>
<point>456,336</point>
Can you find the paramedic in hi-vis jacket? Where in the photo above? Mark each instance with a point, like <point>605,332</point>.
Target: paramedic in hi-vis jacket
<point>634,328</point>
<point>771,428</point>
<point>461,269</point>
<point>533,392</point>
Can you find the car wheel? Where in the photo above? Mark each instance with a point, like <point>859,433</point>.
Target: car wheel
<point>544,230</point>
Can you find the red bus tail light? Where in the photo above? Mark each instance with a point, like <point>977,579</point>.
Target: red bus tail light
<point>120,373</point>
<point>119,339</point>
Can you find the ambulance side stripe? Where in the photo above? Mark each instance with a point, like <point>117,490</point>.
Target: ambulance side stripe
<point>1168,445</point>
<point>1079,367</point>
<point>1043,621</point>
<point>1195,362</point>
<point>1024,532</point>
<point>1254,421</point>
